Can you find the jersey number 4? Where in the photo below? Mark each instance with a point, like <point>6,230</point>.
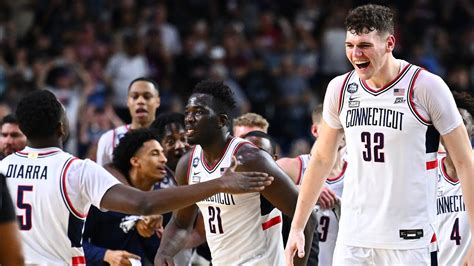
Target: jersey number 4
<point>455,232</point>
<point>215,221</point>
<point>375,143</point>
<point>24,220</point>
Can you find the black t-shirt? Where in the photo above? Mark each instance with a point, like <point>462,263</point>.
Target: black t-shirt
<point>7,213</point>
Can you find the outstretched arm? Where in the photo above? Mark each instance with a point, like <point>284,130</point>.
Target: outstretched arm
<point>125,199</point>
<point>458,145</point>
<point>323,157</point>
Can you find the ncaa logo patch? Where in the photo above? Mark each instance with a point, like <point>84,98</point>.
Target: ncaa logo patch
<point>352,88</point>
<point>195,162</point>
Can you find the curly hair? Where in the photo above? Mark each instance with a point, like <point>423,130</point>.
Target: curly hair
<point>39,114</point>
<point>252,120</point>
<point>464,100</point>
<point>367,18</point>
<point>128,147</point>
<point>9,119</point>
<point>225,102</point>
<point>158,126</point>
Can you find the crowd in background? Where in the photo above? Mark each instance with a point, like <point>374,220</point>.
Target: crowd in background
<point>277,56</point>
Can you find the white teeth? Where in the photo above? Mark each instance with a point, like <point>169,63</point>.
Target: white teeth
<point>361,62</point>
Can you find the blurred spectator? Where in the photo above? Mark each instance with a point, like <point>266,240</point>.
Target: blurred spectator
<point>249,122</point>
<point>122,68</point>
<point>11,139</point>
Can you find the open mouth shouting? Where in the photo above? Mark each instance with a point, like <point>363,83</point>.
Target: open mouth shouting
<point>362,64</point>
<point>141,112</point>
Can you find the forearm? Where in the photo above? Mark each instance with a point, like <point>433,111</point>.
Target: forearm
<point>174,239</point>
<point>308,237</point>
<point>125,199</point>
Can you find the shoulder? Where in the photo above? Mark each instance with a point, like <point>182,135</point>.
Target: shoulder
<point>107,136</point>
<point>251,158</point>
<point>428,81</point>
<point>289,163</point>
<point>183,166</point>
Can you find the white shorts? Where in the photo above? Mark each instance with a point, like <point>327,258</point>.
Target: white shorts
<point>349,255</point>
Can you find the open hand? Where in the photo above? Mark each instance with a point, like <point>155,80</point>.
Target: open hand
<point>295,244</point>
<point>242,182</point>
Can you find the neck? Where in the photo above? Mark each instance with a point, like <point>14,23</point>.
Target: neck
<point>450,169</point>
<point>386,74</point>
<point>212,151</point>
<point>45,143</point>
<point>138,125</point>
<point>143,183</point>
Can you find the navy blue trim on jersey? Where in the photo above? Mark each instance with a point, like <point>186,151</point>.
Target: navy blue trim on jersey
<point>410,102</point>
<point>343,90</point>
<point>389,86</point>
<point>431,139</point>
<point>74,230</point>
<point>265,206</point>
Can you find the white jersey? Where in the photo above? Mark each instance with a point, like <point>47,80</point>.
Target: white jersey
<point>328,221</point>
<point>107,143</point>
<point>53,191</point>
<point>454,234</point>
<point>240,228</point>
<point>304,161</point>
<point>392,137</point>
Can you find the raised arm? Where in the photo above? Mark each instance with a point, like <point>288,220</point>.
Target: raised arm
<point>323,157</point>
<point>282,193</point>
<point>458,145</point>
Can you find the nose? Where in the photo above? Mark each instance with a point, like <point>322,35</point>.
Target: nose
<point>8,140</point>
<point>357,51</point>
<point>179,145</point>
<point>163,158</point>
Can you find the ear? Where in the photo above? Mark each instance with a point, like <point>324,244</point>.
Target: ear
<point>390,42</point>
<point>134,161</point>
<point>222,120</point>
<point>158,101</point>
<point>314,130</point>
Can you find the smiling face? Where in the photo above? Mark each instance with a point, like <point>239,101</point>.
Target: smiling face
<point>175,143</point>
<point>150,161</point>
<point>143,100</point>
<point>369,52</point>
<point>201,120</point>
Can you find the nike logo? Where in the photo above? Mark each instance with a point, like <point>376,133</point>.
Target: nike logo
<point>351,98</point>
<point>196,173</point>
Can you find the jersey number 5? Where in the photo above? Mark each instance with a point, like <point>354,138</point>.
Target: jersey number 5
<point>377,145</point>
<point>215,221</point>
<point>24,220</point>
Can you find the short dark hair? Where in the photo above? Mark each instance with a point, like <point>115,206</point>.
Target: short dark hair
<point>145,79</point>
<point>367,18</point>
<point>222,93</point>
<point>261,134</point>
<point>128,146</point>
<point>9,119</point>
<point>39,114</point>
<point>158,126</point>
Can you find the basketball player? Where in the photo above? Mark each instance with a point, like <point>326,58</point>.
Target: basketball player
<point>263,141</point>
<point>141,159</point>
<point>249,122</point>
<point>392,114</point>
<point>143,100</point>
<point>240,229</point>
<point>54,190</point>
<point>454,234</point>
<point>329,199</point>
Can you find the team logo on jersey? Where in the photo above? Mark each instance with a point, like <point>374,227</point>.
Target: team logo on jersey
<point>195,162</point>
<point>352,88</point>
<point>399,100</point>
<point>120,135</point>
<point>32,155</point>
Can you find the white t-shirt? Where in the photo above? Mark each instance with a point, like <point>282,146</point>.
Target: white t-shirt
<point>53,191</point>
<point>107,143</point>
<point>392,137</point>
